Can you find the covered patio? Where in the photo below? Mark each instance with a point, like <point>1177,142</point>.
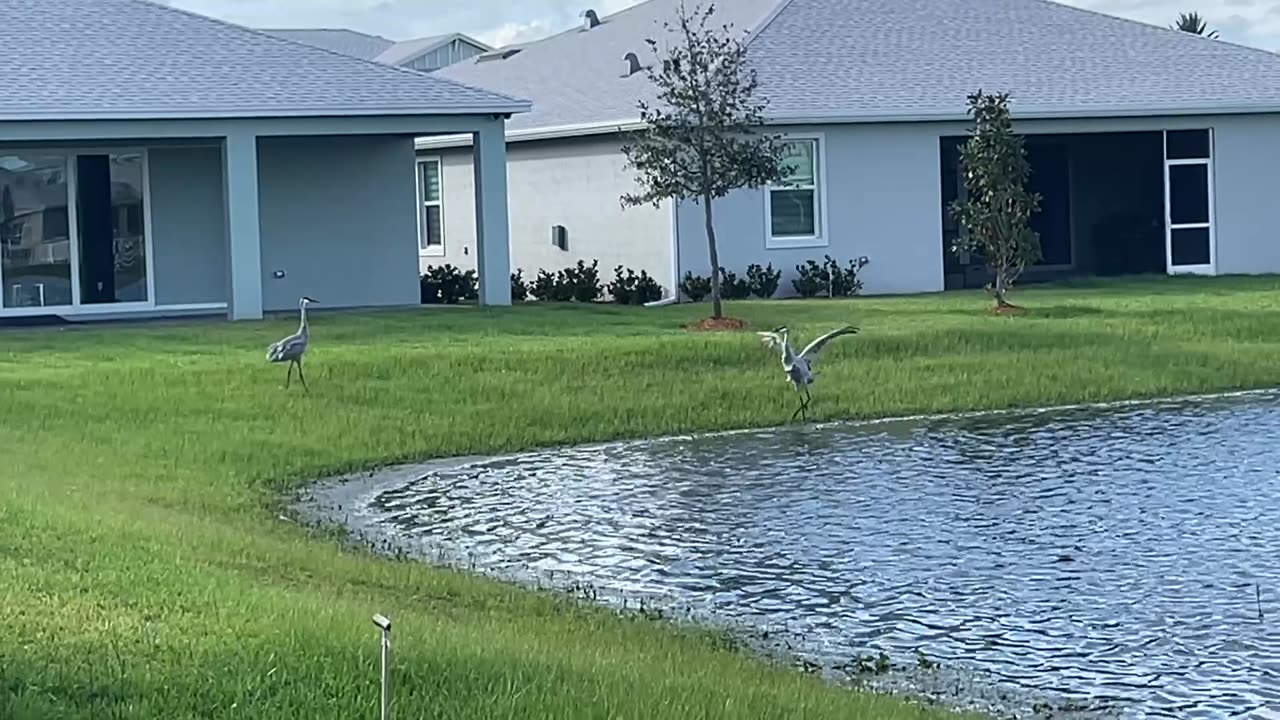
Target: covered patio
<point>192,192</point>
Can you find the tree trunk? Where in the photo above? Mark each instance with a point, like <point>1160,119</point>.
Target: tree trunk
<point>1000,290</point>
<point>717,310</point>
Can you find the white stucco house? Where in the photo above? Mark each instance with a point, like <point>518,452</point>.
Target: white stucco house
<point>1153,150</point>
<point>158,162</point>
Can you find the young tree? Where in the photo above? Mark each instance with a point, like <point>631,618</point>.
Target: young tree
<point>701,138</point>
<point>997,210</point>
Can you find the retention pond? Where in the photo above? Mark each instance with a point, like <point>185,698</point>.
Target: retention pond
<point>1121,560</point>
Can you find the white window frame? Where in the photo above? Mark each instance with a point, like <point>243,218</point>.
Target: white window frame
<point>1211,267</point>
<point>425,250</point>
<point>821,238</point>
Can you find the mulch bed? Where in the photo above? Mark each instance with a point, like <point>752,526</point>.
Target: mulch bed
<point>713,325</point>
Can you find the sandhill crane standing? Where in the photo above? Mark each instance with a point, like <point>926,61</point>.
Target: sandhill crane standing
<point>799,367</point>
<point>291,349</point>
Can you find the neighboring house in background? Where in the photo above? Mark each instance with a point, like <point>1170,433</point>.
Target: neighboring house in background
<point>1154,150</point>
<point>235,181</point>
<point>427,54</point>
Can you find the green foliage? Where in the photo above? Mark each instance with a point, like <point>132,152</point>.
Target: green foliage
<point>811,279</point>
<point>829,278</point>
<point>763,281</point>
<point>997,210</point>
<point>519,287</point>
<point>1193,23</point>
<point>447,284</point>
<point>845,281</point>
<point>628,288</point>
<point>695,287</point>
<point>583,281</point>
<point>701,138</point>
<point>551,287</point>
<point>733,288</point>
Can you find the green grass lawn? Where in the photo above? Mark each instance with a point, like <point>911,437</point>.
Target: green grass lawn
<point>144,572</point>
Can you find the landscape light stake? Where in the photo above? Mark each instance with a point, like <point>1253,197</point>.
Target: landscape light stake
<point>385,625</point>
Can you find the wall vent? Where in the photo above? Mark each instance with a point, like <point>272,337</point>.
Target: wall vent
<point>632,64</point>
<point>499,54</point>
<point>560,237</point>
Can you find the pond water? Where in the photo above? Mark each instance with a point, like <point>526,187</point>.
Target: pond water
<point>1125,558</point>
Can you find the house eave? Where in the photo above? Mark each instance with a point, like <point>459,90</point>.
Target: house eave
<point>265,113</point>
<point>610,127</point>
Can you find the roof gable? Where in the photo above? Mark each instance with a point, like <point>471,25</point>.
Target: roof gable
<point>155,61</point>
<point>409,50</point>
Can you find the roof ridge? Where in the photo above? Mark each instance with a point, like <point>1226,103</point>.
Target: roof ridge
<point>408,72</point>
<point>324,29</point>
<point>1153,26</point>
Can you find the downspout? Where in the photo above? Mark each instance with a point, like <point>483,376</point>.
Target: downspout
<point>675,259</point>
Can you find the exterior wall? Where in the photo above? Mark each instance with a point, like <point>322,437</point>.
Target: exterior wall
<point>575,183</point>
<point>188,227</point>
<point>338,217</point>
<point>884,200</point>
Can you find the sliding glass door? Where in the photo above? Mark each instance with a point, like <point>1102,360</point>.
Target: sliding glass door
<point>72,230</point>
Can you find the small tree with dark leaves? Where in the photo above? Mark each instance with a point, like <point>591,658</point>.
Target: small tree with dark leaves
<point>701,138</point>
<point>998,209</point>
<point>1191,22</point>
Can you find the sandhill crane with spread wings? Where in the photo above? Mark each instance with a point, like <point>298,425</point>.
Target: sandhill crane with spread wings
<point>290,349</point>
<point>799,367</point>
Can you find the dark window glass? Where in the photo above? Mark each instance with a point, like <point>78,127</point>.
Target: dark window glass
<point>1190,246</point>
<point>1187,144</point>
<point>1188,194</point>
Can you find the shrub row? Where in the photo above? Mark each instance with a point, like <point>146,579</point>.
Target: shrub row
<point>812,279</point>
<point>581,283</point>
<point>578,283</point>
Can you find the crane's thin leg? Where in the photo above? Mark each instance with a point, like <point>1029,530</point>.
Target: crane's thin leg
<point>302,377</point>
<point>288,378</point>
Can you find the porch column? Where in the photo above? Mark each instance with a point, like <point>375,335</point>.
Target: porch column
<point>244,242</point>
<point>493,245</point>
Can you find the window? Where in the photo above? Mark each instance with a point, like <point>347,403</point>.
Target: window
<point>794,209</point>
<point>430,219</point>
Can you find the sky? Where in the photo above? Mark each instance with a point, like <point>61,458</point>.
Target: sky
<point>498,22</point>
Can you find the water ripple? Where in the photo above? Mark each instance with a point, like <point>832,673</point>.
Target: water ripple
<point>1106,555</point>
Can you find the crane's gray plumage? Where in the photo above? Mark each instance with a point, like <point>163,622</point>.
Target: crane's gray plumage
<point>290,349</point>
<point>799,366</point>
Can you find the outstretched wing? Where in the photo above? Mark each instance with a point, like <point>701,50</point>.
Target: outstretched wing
<point>812,348</point>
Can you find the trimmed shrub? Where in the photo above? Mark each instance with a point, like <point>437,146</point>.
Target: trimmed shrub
<point>631,289</point>
<point>448,285</point>
<point>763,281</point>
<point>519,288</point>
<point>583,281</point>
<point>695,287</point>
<point>732,288</point>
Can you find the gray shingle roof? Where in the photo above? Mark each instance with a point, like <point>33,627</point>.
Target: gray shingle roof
<point>901,59</point>
<point>341,40</point>
<point>91,59</point>
<point>575,76</point>
<point>922,57</point>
